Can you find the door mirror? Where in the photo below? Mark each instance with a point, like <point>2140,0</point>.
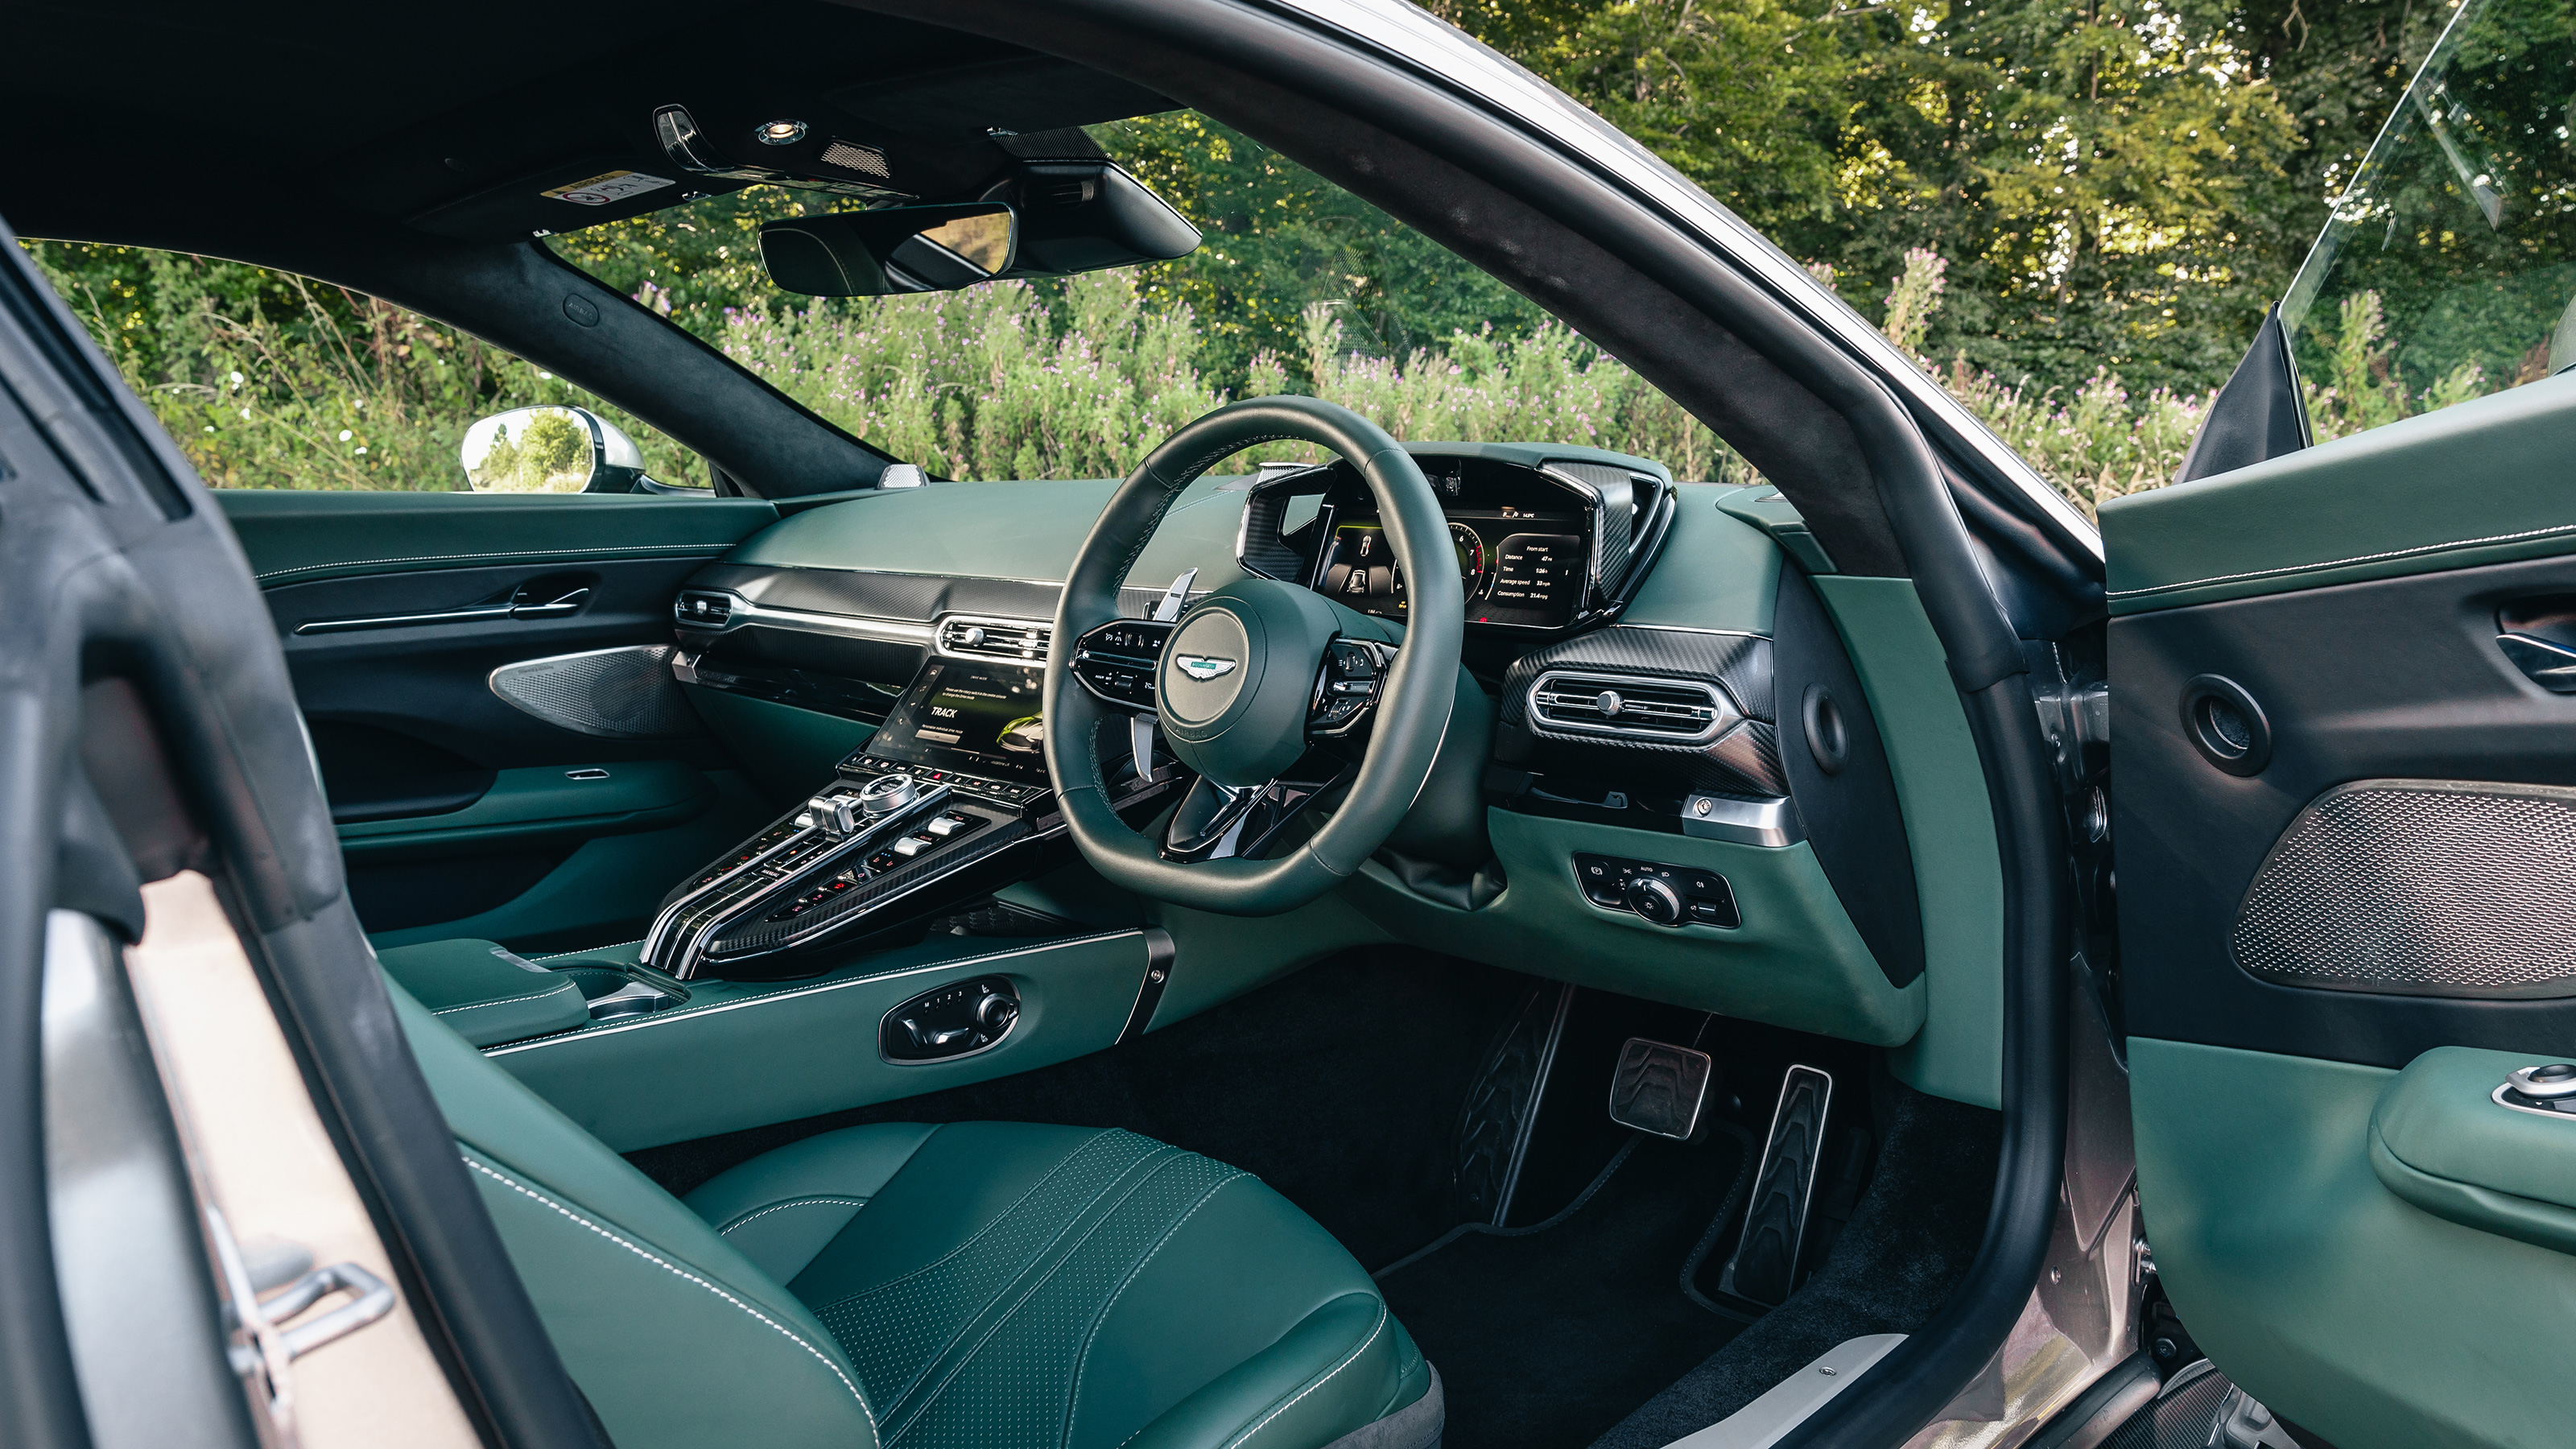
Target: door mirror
<point>898,249</point>
<point>551,449</point>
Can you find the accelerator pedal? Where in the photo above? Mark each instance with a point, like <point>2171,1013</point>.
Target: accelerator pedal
<point>1765,1266</point>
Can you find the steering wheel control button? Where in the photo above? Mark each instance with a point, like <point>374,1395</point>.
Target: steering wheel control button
<point>1668,895</point>
<point>955,1020</point>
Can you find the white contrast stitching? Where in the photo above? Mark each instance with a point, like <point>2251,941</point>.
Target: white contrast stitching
<point>780,1207</point>
<point>586,950</point>
<point>789,1334</point>
<point>1082,1359</point>
<point>1161,1162</point>
<point>1374,1330</point>
<point>986,1231</point>
<point>593,1031</point>
<point>2394,553</point>
<point>558,989</point>
<point>360,563</point>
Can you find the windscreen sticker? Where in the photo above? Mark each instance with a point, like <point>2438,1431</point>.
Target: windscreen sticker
<point>607,187</point>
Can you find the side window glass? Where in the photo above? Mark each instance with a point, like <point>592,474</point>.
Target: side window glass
<point>271,380</point>
<point>2448,271</point>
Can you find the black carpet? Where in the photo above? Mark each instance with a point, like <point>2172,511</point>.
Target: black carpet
<point>1907,1246</point>
<point>1546,1336</point>
<point>1339,1086</point>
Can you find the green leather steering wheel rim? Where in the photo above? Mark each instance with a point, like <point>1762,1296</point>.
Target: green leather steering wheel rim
<point>1412,712</point>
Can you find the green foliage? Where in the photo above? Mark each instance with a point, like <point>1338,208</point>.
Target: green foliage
<point>268,380</point>
<point>1280,240</point>
<point>550,455</point>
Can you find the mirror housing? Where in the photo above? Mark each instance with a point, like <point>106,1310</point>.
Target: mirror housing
<point>551,448</point>
<point>896,249</point>
<point>1063,217</point>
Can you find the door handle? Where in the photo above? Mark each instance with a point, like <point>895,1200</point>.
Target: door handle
<point>518,607</point>
<point>2551,666</point>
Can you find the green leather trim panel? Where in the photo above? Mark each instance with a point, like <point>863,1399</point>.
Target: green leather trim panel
<point>1716,570</point>
<point>1023,531</point>
<point>1218,958</point>
<point>2339,1304</point>
<point>1795,962</point>
<point>533,804</point>
<point>484,996</point>
<point>609,885</point>
<point>676,1339</point>
<point>2440,1140</point>
<point>1950,828</point>
<point>294,536</point>
<point>745,1054</point>
<point>2479,483</point>
<point>1768,510</point>
<point>790,752</point>
<point>1015,1283</point>
<point>785,1206</point>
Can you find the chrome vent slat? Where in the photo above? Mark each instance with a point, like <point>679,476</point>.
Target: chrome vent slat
<point>1644,710</point>
<point>1012,641</point>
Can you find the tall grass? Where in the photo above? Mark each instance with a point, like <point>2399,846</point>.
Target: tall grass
<point>272,381</point>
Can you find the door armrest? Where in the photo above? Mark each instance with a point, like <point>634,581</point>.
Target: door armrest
<point>2440,1140</point>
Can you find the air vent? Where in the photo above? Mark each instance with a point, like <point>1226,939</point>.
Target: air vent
<point>698,609</point>
<point>1021,641</point>
<point>1655,712</point>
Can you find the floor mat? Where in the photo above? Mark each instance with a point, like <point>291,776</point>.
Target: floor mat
<point>1545,1336</point>
<point>1907,1247</point>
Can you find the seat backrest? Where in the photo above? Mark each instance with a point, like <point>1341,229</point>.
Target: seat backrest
<point>675,1337</point>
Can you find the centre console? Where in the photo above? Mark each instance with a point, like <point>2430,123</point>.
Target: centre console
<point>949,799</point>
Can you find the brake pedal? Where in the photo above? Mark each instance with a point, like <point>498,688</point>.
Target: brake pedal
<point>1765,1264</point>
<point>1661,1089</point>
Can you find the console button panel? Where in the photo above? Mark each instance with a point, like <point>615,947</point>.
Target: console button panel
<point>1668,895</point>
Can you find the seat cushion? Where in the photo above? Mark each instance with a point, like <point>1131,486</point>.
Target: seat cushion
<point>1004,1283</point>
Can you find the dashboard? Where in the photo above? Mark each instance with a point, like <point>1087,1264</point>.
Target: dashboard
<point>1547,541</point>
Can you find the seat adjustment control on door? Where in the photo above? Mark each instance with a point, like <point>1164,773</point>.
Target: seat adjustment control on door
<point>2545,1087</point>
<point>952,1021</point>
<point>1668,895</point>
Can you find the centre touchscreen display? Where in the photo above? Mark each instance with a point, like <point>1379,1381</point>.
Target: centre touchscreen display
<point>979,718</point>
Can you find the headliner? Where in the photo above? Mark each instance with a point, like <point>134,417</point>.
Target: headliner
<point>165,124</point>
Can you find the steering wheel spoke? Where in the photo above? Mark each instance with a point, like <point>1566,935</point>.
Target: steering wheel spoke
<point>1219,822</point>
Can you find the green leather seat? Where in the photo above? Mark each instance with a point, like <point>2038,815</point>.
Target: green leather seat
<point>981,1284</point>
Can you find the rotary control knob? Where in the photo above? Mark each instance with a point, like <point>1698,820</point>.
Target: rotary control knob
<point>970,636</point>
<point>996,1012</point>
<point>2545,1083</point>
<point>888,793</point>
<point>1654,898</point>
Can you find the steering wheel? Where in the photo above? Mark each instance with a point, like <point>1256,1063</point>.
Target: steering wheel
<point>1253,675</point>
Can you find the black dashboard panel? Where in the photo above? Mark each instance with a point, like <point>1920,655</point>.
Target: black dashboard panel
<point>1544,544</point>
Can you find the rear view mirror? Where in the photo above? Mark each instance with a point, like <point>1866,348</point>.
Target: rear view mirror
<point>1049,219</point>
<point>898,249</point>
<point>551,449</point>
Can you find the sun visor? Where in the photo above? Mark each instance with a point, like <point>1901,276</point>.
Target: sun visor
<point>568,197</point>
<point>1080,216</point>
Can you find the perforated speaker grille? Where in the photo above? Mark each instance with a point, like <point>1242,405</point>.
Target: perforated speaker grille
<point>2420,888</point>
<point>617,694</point>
